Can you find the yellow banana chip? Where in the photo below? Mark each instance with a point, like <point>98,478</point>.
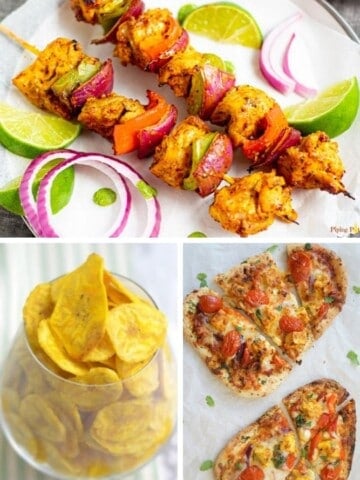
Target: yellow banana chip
<point>126,369</point>
<point>57,352</point>
<point>136,330</point>
<point>145,382</point>
<point>103,351</point>
<point>100,386</point>
<point>10,400</point>
<point>116,291</point>
<point>80,312</point>
<point>120,424</point>
<point>22,433</point>
<point>41,418</point>
<point>38,305</point>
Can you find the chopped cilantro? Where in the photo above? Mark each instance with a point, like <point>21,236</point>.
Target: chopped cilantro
<point>206,465</point>
<point>202,279</point>
<point>209,401</point>
<point>300,421</point>
<point>258,314</point>
<point>353,357</point>
<point>356,289</point>
<point>238,328</point>
<point>272,248</point>
<point>238,466</point>
<point>308,246</point>
<point>279,308</point>
<point>329,299</point>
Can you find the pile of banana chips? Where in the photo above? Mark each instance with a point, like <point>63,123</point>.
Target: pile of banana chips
<point>90,390</point>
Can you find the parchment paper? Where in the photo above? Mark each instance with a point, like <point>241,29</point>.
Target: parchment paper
<point>207,429</point>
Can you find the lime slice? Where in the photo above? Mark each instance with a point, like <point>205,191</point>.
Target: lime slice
<point>61,190</point>
<point>224,22</point>
<point>28,134</point>
<point>333,111</point>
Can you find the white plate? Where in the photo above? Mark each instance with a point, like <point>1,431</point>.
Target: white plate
<point>320,214</point>
<point>208,429</point>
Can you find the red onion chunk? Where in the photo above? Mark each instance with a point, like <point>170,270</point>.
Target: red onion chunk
<point>210,89</point>
<point>179,46</point>
<point>213,165</point>
<point>135,9</point>
<point>100,84</point>
<point>150,137</point>
<point>287,138</point>
<point>273,73</point>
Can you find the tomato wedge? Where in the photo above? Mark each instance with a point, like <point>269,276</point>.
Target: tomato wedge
<point>330,472</point>
<point>256,297</point>
<point>300,266</point>
<point>210,303</point>
<point>289,324</point>
<point>231,343</point>
<point>253,472</point>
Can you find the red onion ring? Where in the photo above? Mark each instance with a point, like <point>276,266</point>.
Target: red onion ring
<point>152,227</point>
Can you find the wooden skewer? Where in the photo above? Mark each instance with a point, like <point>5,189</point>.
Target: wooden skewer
<point>27,46</point>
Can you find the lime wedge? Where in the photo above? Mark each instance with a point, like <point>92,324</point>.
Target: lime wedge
<point>333,111</point>
<point>61,190</point>
<point>28,134</point>
<point>223,22</point>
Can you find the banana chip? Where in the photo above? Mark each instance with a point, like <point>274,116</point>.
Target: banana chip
<point>100,386</point>
<point>103,351</point>
<point>38,306</point>
<point>57,352</point>
<point>145,382</point>
<point>126,369</point>
<point>41,418</point>
<point>22,433</point>
<point>116,291</point>
<point>136,330</point>
<point>80,312</point>
<point>121,424</point>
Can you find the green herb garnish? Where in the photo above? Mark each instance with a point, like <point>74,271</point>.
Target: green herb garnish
<point>278,458</point>
<point>329,299</point>
<point>353,357</point>
<point>206,465</point>
<point>308,246</point>
<point>202,279</point>
<point>300,421</point>
<point>209,401</point>
<point>356,289</point>
<point>272,248</point>
<point>258,314</point>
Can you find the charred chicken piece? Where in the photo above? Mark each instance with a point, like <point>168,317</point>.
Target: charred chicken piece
<point>102,114</point>
<point>192,157</point>
<point>241,111</point>
<point>250,204</point>
<point>178,71</point>
<point>150,40</point>
<point>62,77</point>
<point>314,163</point>
<point>87,10</point>
<point>256,124</point>
<point>172,159</point>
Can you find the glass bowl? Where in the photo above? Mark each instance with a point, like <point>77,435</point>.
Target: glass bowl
<point>79,431</point>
